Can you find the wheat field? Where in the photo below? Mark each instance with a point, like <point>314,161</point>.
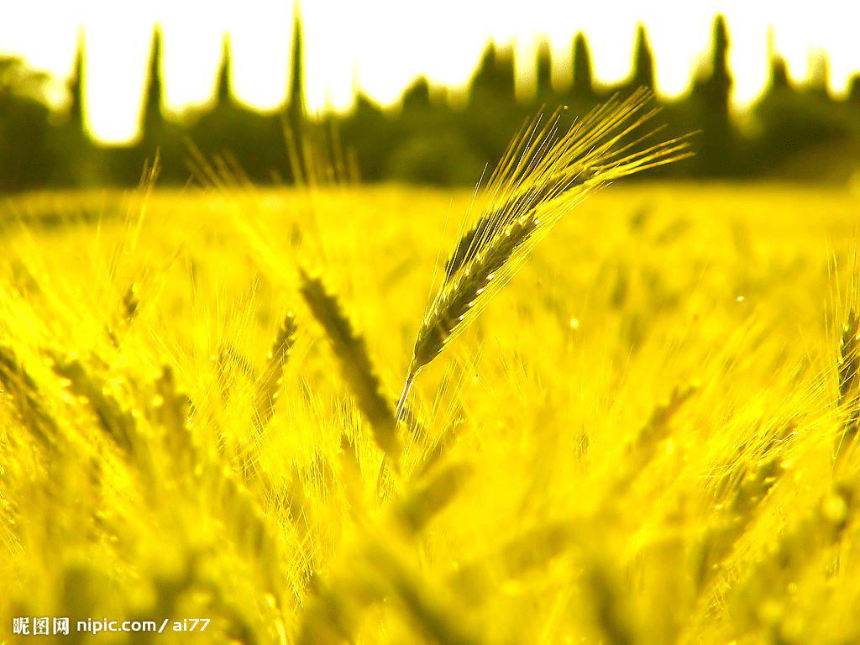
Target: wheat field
<point>645,438</point>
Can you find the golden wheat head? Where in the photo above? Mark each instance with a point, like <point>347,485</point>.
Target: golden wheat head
<point>544,174</point>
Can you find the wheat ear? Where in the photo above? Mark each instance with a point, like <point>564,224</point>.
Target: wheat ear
<point>849,364</point>
<point>351,352</point>
<point>544,173</point>
<point>277,358</point>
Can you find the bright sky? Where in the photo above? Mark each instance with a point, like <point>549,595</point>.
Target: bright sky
<point>385,44</point>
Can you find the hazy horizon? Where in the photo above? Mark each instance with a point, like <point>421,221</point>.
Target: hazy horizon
<point>374,47</point>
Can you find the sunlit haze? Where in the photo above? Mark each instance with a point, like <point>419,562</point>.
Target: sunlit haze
<point>382,45</point>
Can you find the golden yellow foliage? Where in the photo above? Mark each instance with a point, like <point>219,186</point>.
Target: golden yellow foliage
<point>635,443</point>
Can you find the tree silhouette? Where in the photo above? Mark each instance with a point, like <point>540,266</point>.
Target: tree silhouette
<point>27,156</point>
<point>417,95</point>
<point>223,87</point>
<point>296,101</point>
<point>543,72</point>
<point>371,134</point>
<point>296,110</point>
<point>643,61</point>
<point>716,85</point>
<point>492,107</point>
<point>77,163</point>
<point>494,75</point>
<point>778,75</point>
<point>777,71</point>
<point>76,87</point>
<point>712,93</point>
<point>582,87</point>
<point>854,92</point>
<point>153,119</point>
<point>160,136</point>
<point>428,139</point>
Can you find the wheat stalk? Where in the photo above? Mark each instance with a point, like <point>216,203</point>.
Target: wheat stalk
<point>542,176</point>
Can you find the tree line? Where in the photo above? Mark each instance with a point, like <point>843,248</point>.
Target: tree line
<point>796,131</point>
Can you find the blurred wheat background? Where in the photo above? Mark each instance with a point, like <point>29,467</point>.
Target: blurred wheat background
<point>647,438</point>
<point>313,410</point>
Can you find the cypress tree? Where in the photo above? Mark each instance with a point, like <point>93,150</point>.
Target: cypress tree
<point>494,75</point>
<point>854,90</point>
<point>582,87</point>
<point>543,76</point>
<point>76,164</point>
<point>715,86</point>
<point>153,120</point>
<point>482,79</point>
<point>643,61</point>
<point>296,103</point>
<point>778,75</point>
<point>223,92</point>
<point>76,88</point>
<point>417,95</point>
<point>721,78</point>
<point>714,93</point>
<point>504,73</point>
<point>296,111</point>
<point>777,71</point>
